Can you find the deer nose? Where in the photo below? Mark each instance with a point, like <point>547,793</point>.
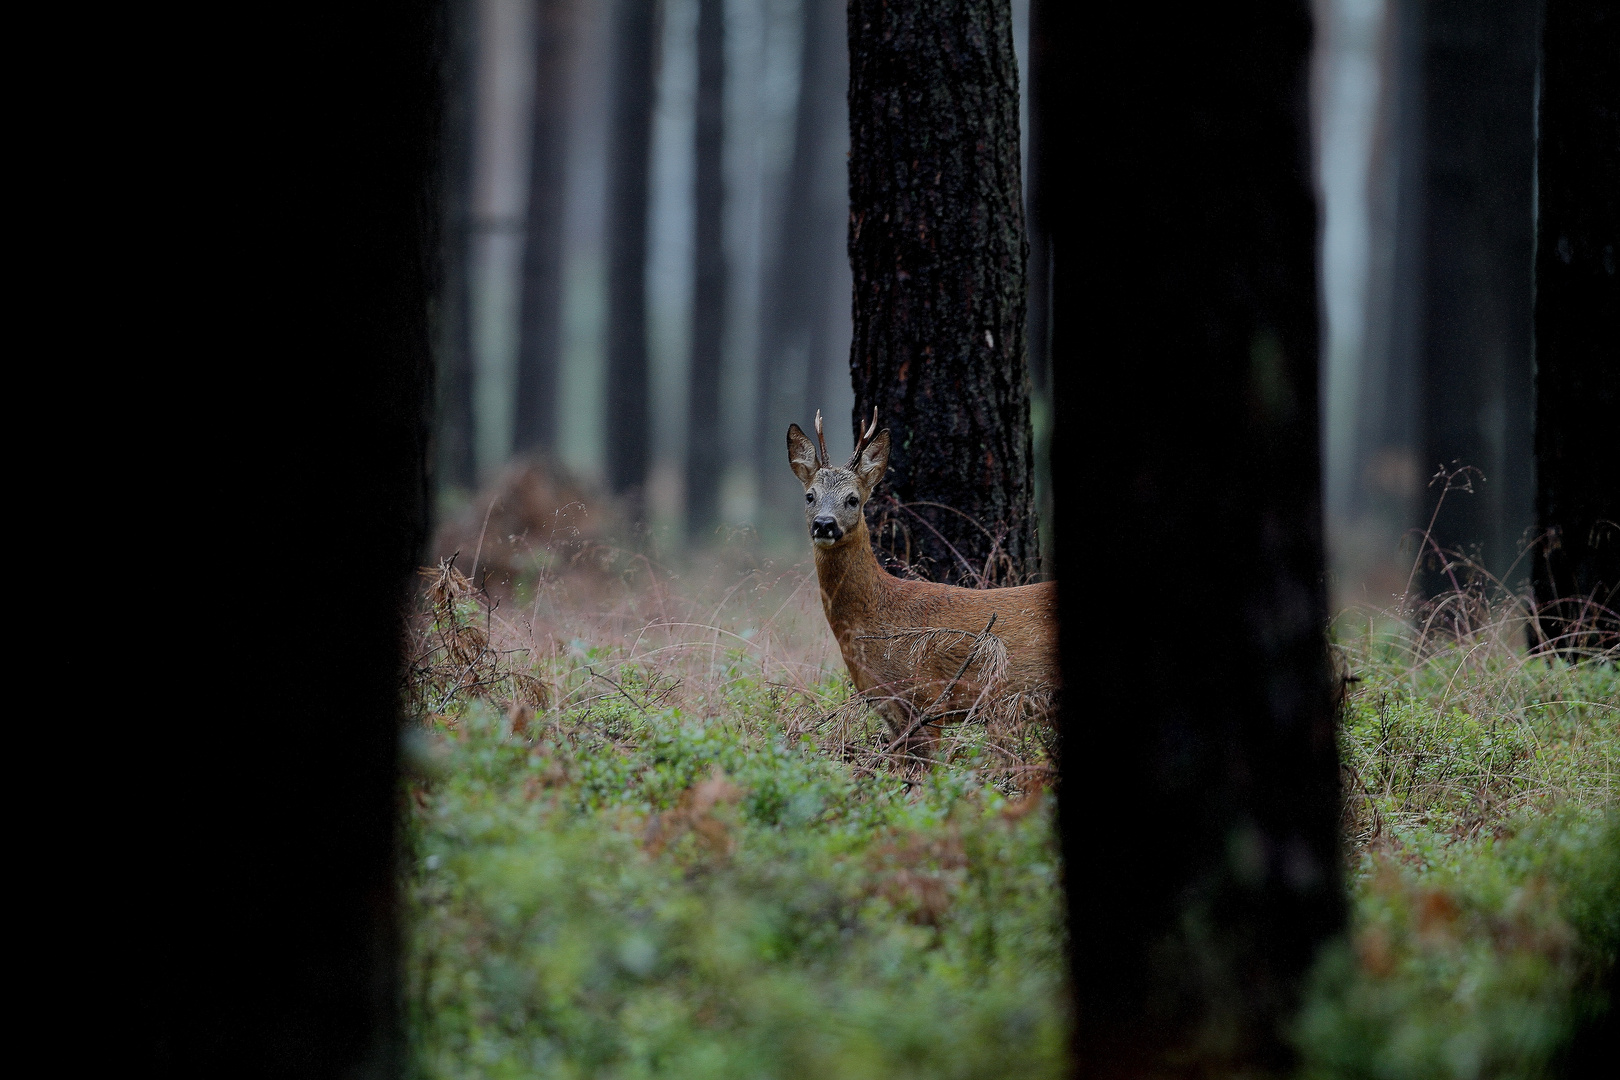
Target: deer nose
<point>825,526</point>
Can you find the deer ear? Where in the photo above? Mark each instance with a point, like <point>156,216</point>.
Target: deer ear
<point>874,461</point>
<point>802,455</point>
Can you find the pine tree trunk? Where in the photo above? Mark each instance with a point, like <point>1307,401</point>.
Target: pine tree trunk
<point>1199,805</point>
<point>1577,329</point>
<point>937,247</point>
<point>630,157</point>
<point>705,462</point>
<point>1479,68</point>
<point>540,325</point>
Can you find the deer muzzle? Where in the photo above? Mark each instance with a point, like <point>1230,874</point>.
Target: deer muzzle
<point>824,530</point>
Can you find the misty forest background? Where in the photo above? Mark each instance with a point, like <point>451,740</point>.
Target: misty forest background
<point>652,829</point>
<point>627,816</point>
<point>579,310</point>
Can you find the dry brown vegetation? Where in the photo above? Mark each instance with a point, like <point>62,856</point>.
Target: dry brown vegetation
<point>759,648</point>
<point>538,603</point>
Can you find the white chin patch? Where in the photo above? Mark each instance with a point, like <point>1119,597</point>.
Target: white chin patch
<point>823,541</point>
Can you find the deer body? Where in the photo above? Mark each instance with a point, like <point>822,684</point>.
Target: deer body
<point>923,654</point>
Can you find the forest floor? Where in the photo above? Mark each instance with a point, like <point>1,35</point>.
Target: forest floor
<point>651,834</point>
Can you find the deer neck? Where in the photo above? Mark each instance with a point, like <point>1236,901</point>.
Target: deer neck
<point>851,580</point>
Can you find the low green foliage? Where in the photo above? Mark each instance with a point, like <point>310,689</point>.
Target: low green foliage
<point>1482,808</point>
<point>700,898</point>
<point>638,861</point>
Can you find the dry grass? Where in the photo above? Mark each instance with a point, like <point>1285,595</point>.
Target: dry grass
<point>751,645</point>
<point>1468,709</point>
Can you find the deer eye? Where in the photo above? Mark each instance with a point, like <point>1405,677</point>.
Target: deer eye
<point>810,496</point>
<point>853,500</point>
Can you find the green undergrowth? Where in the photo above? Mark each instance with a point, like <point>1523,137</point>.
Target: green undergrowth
<point>1483,811</point>
<point>628,895</point>
<point>648,884</point>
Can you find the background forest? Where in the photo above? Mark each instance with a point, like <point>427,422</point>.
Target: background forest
<point>1278,336</point>
<point>584,322</point>
<point>652,831</point>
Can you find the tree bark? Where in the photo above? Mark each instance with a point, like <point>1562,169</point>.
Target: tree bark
<point>808,253</point>
<point>1479,168</point>
<point>705,450</point>
<point>937,248</point>
<point>540,319</point>
<point>1199,804</point>
<point>1577,566</point>
<point>635,81</point>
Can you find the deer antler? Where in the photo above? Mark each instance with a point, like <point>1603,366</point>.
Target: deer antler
<point>863,441</point>
<point>821,438</point>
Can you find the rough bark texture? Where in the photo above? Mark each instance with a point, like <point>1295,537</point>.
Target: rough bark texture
<point>1199,807</point>
<point>1479,165</point>
<point>634,91</point>
<point>937,247</point>
<point>268,912</point>
<point>705,451</point>
<point>1578,326</point>
<point>540,319</point>
<point>799,360</point>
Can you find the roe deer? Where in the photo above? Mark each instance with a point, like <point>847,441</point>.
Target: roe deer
<point>923,654</point>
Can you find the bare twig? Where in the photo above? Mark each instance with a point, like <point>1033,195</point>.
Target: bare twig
<point>925,717</point>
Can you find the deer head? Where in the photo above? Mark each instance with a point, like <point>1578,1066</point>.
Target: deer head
<point>833,497</point>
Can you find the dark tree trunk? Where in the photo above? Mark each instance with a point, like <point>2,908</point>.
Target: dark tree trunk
<point>268,910</point>
<point>704,449</point>
<point>937,247</point>
<point>1199,807</point>
<point>1479,167</point>
<point>1039,313</point>
<point>1578,327</point>
<point>1038,324</point>
<point>540,299</point>
<point>808,256</point>
<point>630,157</point>
<point>456,466</point>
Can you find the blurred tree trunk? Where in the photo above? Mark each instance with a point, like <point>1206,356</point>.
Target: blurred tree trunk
<point>540,321</point>
<point>705,464</point>
<point>1199,807</point>
<point>267,917</point>
<point>455,462</point>
<point>627,424</point>
<point>1479,59</point>
<point>1038,324</point>
<point>937,246</point>
<point>809,245</point>
<point>1039,315</point>
<point>1578,326</point>
<point>1386,487</point>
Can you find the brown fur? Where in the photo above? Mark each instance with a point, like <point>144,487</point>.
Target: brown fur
<point>917,650</point>
<point>875,617</point>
